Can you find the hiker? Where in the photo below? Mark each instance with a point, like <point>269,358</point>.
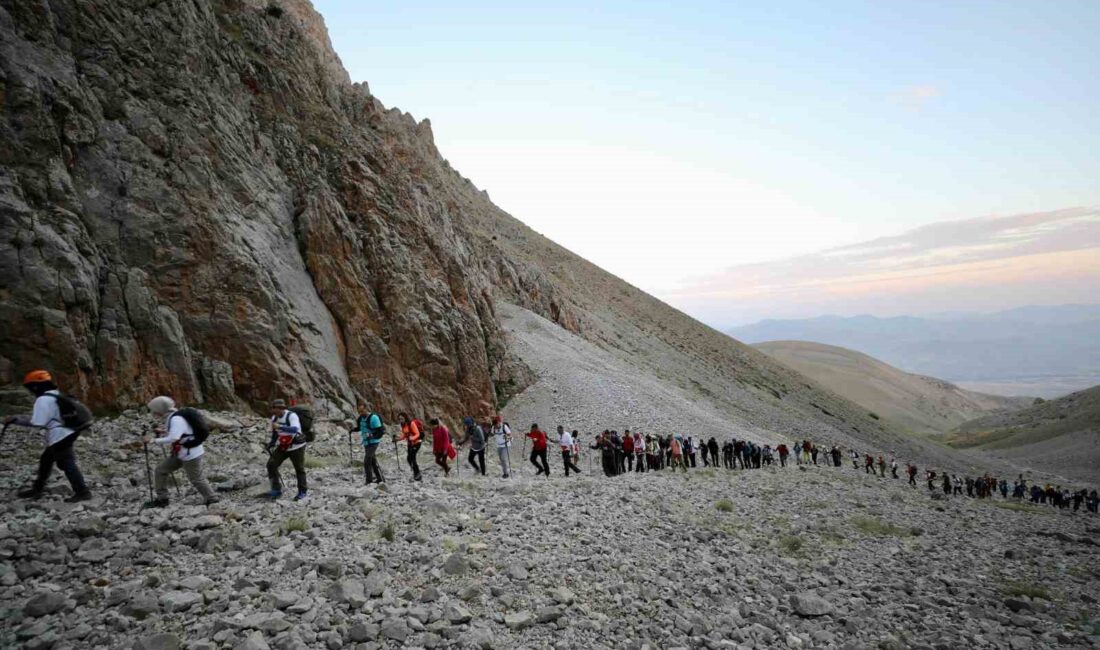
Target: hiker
<point>969,487</point>
<point>441,445</point>
<point>894,467</point>
<point>930,476</point>
<point>475,435</point>
<point>767,455</point>
<point>639,452</point>
<point>412,433</point>
<point>868,464</point>
<point>797,454</point>
<point>881,466</point>
<point>59,439</point>
<point>287,441</point>
<point>179,431</point>
<point>502,435</point>
<point>616,444</point>
<point>628,451</point>
<point>538,451</point>
<point>565,441</point>
<point>783,453</point>
<point>813,454</point>
<point>836,456</point>
<point>1093,503</point>
<point>911,469</point>
<point>370,428</point>
<point>855,459</point>
<point>676,449</point>
<point>607,453</point>
<point>712,446</point>
<point>1004,489</point>
<point>689,452</point>
<point>957,484</point>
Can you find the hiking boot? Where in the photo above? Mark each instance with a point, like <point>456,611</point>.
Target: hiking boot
<point>211,501</point>
<point>156,503</point>
<point>301,495</point>
<point>86,495</point>
<point>417,477</point>
<point>273,494</point>
<point>29,493</point>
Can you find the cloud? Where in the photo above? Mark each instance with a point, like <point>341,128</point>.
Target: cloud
<point>918,95</point>
<point>1034,257</point>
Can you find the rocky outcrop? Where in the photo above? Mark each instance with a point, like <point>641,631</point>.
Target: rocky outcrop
<point>194,199</point>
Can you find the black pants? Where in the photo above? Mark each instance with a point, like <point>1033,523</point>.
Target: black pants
<point>782,460</point>
<point>639,463</point>
<point>297,458</point>
<point>371,469</point>
<point>410,457</point>
<point>629,461</point>
<point>477,460</point>
<point>567,461</point>
<point>61,454</point>
<point>538,459</point>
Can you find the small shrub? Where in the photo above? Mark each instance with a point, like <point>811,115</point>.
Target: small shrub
<point>878,528</point>
<point>313,462</point>
<point>790,544</point>
<point>874,416</point>
<point>388,531</point>
<point>295,524</point>
<point>724,505</point>
<point>274,10</point>
<point>449,544</point>
<point>1014,505</point>
<point>1026,589</point>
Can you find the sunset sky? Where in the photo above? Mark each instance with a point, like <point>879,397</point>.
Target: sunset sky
<point>733,158</point>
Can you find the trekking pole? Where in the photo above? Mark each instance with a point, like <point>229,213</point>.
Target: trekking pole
<point>148,470</point>
<point>523,452</point>
<point>351,448</point>
<point>396,456</point>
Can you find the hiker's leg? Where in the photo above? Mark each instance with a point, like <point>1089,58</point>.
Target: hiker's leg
<point>298,459</point>
<point>193,470</point>
<point>65,459</point>
<point>534,461</point>
<point>369,463</point>
<point>502,454</point>
<point>411,457</point>
<point>45,468</point>
<point>273,462</point>
<point>163,471</point>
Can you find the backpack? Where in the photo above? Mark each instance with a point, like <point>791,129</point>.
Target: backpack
<point>374,434</point>
<point>200,430</point>
<point>305,418</point>
<point>74,415</point>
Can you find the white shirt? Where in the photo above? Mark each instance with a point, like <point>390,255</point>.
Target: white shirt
<point>176,428</point>
<point>291,421</point>
<point>47,415</point>
<point>565,439</point>
<point>501,433</point>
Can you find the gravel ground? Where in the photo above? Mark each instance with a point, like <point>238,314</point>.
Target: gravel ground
<point>815,558</point>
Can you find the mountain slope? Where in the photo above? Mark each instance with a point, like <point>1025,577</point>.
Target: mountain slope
<point>197,201</point>
<point>1042,351</point>
<point>1061,435</point>
<point>918,403</point>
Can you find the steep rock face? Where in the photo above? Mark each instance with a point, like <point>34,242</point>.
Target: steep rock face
<point>195,200</point>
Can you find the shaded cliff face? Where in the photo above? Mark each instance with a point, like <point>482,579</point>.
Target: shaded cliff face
<point>195,200</point>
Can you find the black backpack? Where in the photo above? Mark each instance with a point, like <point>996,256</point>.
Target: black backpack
<point>74,415</point>
<point>380,432</point>
<point>305,418</point>
<point>200,430</point>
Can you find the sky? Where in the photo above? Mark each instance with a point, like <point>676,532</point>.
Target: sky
<point>676,144</point>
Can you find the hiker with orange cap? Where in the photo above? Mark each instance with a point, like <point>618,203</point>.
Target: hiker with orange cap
<point>62,418</point>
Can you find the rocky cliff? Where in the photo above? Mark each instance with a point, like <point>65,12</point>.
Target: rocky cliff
<point>196,200</point>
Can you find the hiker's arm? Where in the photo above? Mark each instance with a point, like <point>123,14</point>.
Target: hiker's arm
<point>21,421</point>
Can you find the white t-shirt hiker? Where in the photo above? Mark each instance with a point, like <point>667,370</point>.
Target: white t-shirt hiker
<point>47,415</point>
<point>287,427</point>
<point>175,430</point>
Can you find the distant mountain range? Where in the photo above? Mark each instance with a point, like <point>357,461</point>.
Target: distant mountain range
<point>915,402</point>
<point>1033,350</point>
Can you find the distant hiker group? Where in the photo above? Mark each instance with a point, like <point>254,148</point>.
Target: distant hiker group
<point>183,431</point>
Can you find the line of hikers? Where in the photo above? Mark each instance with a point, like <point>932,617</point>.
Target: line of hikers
<point>184,430</point>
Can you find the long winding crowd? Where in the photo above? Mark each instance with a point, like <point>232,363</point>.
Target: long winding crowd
<point>184,430</point>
